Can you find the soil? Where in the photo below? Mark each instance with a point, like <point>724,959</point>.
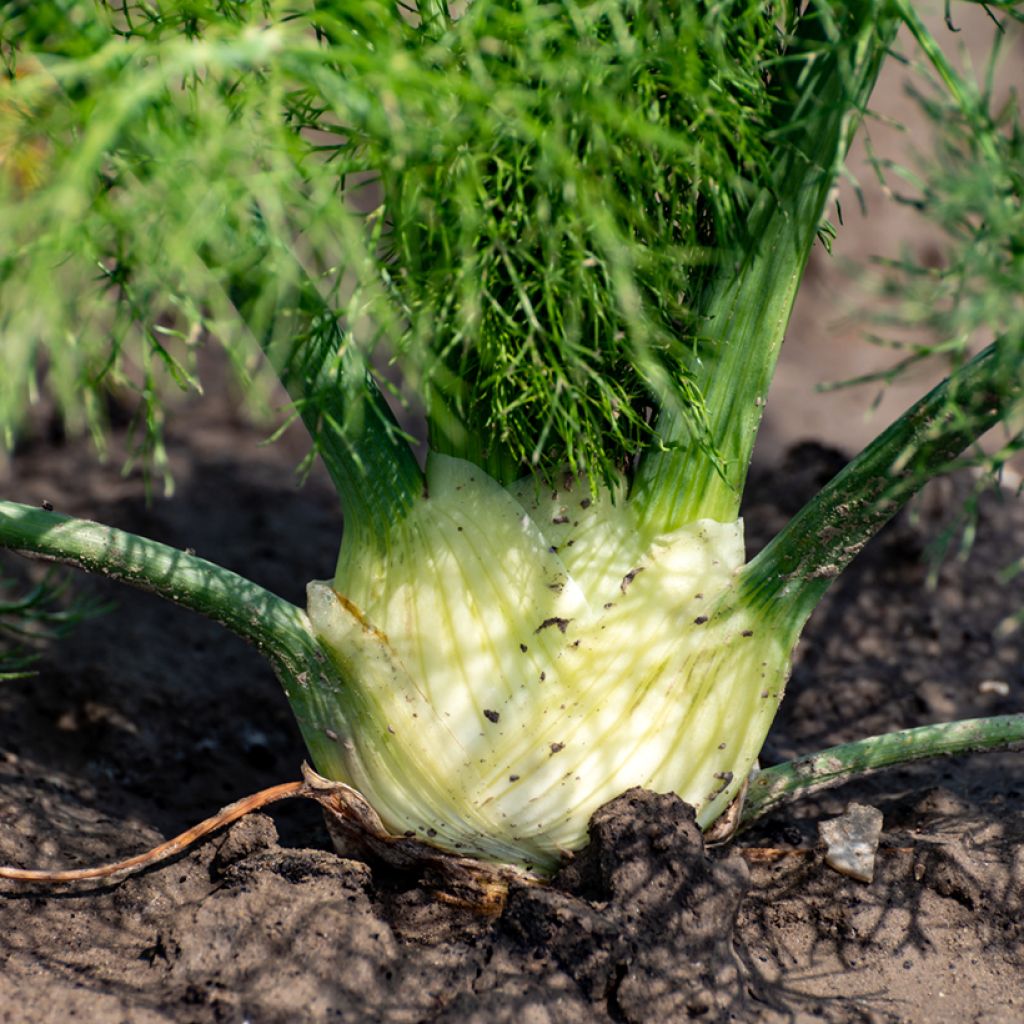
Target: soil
<point>148,719</point>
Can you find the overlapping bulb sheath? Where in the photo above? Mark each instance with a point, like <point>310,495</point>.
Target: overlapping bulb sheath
<point>521,656</point>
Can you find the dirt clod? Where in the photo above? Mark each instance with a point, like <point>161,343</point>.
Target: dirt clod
<point>642,919</point>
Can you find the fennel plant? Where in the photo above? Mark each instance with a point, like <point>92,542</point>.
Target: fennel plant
<point>572,232</point>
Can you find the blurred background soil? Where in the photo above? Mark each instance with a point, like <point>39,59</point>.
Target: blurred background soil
<point>826,338</point>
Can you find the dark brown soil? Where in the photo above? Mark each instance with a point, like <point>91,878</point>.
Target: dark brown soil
<point>149,719</point>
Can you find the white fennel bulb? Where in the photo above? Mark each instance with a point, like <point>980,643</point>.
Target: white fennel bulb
<point>520,657</point>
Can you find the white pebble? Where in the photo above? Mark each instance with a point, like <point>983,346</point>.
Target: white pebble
<point>852,841</point>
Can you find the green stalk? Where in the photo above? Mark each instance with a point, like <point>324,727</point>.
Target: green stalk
<point>746,309</point>
<point>362,447</point>
<point>370,463</point>
<point>274,626</point>
<point>836,765</point>
<point>796,568</point>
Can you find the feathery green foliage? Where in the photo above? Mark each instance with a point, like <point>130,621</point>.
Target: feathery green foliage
<point>969,187</point>
<point>32,615</point>
<point>522,205</point>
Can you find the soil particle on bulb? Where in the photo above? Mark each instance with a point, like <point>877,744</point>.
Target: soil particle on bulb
<point>629,577</point>
<point>562,624</point>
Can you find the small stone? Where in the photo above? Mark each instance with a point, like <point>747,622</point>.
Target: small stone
<point>999,687</point>
<point>852,841</point>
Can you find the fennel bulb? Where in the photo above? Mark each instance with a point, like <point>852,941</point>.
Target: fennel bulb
<point>517,658</point>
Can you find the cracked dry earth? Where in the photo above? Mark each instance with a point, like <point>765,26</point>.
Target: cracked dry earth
<point>148,719</point>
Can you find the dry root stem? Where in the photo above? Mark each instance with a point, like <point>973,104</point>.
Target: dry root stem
<point>356,831</point>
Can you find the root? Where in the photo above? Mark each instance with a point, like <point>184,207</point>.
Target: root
<point>226,816</point>
<point>355,829</point>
